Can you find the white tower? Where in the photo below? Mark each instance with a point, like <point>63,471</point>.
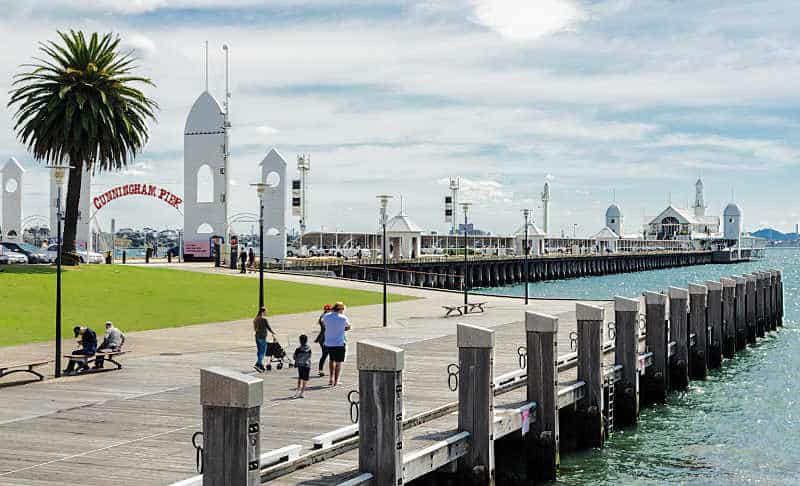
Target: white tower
<point>699,199</point>
<point>454,187</point>
<point>204,176</point>
<point>614,219</point>
<point>546,208</point>
<point>304,209</point>
<point>11,222</point>
<point>732,225</point>
<point>273,173</point>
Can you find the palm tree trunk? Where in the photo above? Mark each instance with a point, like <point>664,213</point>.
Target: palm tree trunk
<point>69,256</point>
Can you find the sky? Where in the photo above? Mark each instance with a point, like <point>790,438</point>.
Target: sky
<point>608,100</point>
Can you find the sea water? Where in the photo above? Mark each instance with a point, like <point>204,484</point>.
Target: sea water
<point>739,426</point>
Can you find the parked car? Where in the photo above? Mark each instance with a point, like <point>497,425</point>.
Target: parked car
<point>86,256</point>
<point>33,254</point>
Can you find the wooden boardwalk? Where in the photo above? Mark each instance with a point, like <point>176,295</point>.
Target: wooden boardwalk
<point>134,426</point>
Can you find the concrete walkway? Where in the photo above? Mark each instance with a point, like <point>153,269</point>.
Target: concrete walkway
<point>134,426</point>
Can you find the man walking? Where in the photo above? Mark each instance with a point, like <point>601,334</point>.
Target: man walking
<point>336,326</point>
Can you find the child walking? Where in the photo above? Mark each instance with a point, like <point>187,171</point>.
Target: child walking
<point>302,361</point>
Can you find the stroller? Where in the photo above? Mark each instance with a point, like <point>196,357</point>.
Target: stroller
<point>276,354</point>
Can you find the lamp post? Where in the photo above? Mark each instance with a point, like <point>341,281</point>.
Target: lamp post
<point>384,201</point>
<point>526,213</point>
<point>260,188</point>
<point>59,171</point>
<point>465,209</point>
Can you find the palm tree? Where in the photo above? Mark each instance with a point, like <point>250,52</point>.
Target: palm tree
<point>77,105</point>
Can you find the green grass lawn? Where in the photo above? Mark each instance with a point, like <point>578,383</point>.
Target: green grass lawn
<point>137,299</point>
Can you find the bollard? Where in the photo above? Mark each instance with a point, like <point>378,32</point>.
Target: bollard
<point>380,424</point>
<point>169,256</point>
<point>231,427</point>
<point>591,433</point>
<point>656,379</point>
<point>109,260</point>
<point>542,442</point>
<point>476,402</point>
<point>699,327</point>
<point>626,353</point>
<point>124,256</point>
<point>740,311</point>
<point>147,253</point>
<point>728,317</point>
<point>217,255</point>
<point>679,333</point>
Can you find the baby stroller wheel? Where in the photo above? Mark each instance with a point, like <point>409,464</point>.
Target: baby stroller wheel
<point>280,366</point>
<point>269,367</point>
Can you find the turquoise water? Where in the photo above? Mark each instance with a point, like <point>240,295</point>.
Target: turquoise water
<point>740,426</point>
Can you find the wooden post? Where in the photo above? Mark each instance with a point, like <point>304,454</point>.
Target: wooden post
<point>590,371</point>
<point>779,280</point>
<point>541,333</point>
<point>231,427</point>
<point>380,423</point>
<point>679,332</point>
<point>728,317</point>
<point>741,316</point>
<point>770,326</point>
<point>476,401</point>
<point>699,327</point>
<point>750,308</point>
<point>656,379</point>
<point>760,319</point>
<point>714,319</point>
<point>626,353</point>
<point>773,301</point>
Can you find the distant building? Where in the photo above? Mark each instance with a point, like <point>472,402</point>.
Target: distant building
<point>678,223</point>
<point>471,230</point>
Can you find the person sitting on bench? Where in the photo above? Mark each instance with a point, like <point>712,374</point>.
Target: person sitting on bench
<point>112,342</point>
<point>88,343</point>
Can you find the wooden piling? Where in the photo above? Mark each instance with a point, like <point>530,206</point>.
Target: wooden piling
<point>231,427</point>
<point>626,354</point>
<point>773,301</point>
<point>656,379</point>
<point>542,442</point>
<point>714,320</point>
<point>728,317</point>
<point>476,402</point>
<point>779,277</point>
<point>591,433</point>
<point>380,424</point>
<point>698,326</point>
<point>750,308</point>
<point>760,309</point>
<point>770,323</point>
<point>679,333</point>
<point>740,311</point>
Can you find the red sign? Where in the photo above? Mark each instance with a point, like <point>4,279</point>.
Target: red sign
<point>137,190</point>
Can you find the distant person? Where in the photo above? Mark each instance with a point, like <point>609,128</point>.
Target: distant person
<point>336,326</point>
<point>302,361</point>
<point>243,260</point>
<point>112,342</point>
<point>321,339</point>
<point>252,256</point>
<point>88,344</point>
<point>261,328</point>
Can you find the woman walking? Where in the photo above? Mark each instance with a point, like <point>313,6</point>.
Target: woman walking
<point>321,339</point>
<point>261,328</point>
<point>336,326</point>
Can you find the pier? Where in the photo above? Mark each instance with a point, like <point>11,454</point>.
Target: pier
<point>492,271</point>
<point>499,405</point>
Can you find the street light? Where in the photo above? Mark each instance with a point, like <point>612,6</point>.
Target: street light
<point>260,188</point>
<point>465,209</point>
<point>59,171</point>
<point>384,201</point>
<point>526,213</point>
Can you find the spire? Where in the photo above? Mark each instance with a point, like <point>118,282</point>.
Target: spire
<point>699,199</point>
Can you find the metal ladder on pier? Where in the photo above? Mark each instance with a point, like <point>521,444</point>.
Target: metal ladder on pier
<point>609,404</point>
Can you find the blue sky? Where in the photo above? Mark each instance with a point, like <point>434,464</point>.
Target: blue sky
<point>638,97</point>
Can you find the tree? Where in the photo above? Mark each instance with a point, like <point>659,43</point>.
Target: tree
<point>78,105</point>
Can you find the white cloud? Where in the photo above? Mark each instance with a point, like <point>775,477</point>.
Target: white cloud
<point>526,19</point>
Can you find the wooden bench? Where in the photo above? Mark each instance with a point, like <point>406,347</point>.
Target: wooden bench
<point>464,309</point>
<point>8,368</point>
<point>92,358</point>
